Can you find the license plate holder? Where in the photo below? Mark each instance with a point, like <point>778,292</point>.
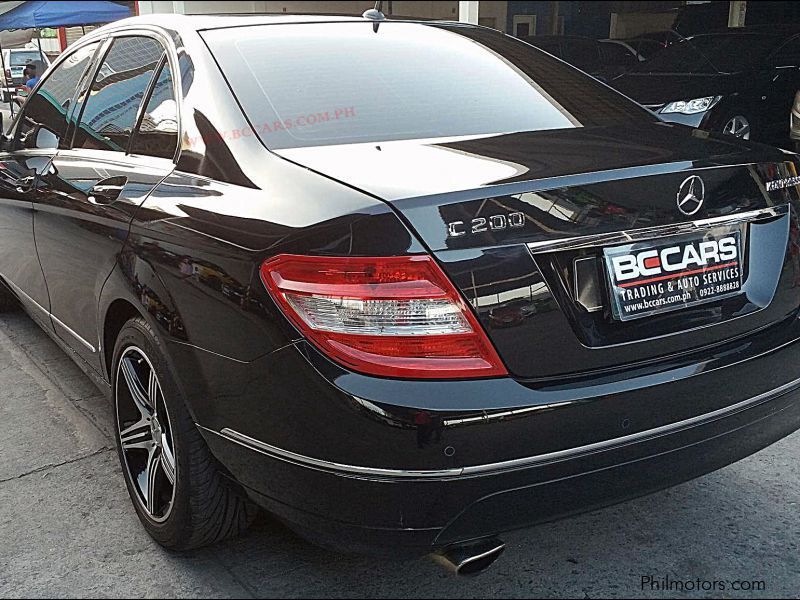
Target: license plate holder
<point>658,276</point>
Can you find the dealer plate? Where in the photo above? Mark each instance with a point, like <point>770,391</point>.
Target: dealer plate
<point>649,278</point>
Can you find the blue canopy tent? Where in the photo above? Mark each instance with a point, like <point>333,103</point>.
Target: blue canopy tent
<point>36,14</point>
<point>55,13</point>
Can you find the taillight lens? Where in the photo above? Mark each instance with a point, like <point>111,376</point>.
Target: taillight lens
<point>393,316</point>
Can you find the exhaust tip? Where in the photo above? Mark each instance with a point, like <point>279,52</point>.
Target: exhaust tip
<point>469,560</point>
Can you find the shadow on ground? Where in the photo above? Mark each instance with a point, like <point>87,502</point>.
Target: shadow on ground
<point>67,528</point>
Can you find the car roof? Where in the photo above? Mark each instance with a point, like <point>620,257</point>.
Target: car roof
<point>188,23</point>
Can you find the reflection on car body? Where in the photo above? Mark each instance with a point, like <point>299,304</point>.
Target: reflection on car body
<point>284,311</point>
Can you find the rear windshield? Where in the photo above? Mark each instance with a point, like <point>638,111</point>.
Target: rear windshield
<point>335,83</point>
<point>19,59</point>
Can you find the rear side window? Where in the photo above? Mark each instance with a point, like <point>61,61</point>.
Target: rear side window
<point>157,134</point>
<point>44,119</point>
<point>109,112</point>
<point>322,83</point>
<point>19,59</point>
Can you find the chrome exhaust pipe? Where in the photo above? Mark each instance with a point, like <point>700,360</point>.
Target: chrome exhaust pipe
<point>472,558</point>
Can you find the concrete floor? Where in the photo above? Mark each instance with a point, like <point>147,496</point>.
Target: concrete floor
<point>66,527</point>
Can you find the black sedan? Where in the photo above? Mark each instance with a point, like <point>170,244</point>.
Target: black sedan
<point>402,304</point>
<point>738,82</point>
<point>604,59</point>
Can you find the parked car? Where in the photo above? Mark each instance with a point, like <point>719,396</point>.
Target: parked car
<point>662,38</point>
<point>15,60</point>
<point>741,83</point>
<point>646,47</point>
<point>603,59</point>
<point>284,274</point>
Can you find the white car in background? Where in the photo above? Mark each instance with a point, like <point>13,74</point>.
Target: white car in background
<point>14,61</point>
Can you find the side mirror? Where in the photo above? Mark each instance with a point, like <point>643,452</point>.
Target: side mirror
<point>46,139</point>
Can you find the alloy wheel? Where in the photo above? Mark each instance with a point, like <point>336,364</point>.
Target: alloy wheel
<point>737,126</point>
<point>145,434</point>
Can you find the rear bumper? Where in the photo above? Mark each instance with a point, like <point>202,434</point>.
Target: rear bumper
<point>369,496</point>
<point>355,512</point>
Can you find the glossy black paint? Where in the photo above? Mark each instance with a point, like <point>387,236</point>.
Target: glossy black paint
<point>603,59</point>
<point>182,246</point>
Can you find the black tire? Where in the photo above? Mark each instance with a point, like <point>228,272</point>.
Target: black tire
<point>206,506</point>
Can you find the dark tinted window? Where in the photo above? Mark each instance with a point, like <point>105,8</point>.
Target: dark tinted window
<point>724,53</point>
<point>157,134</point>
<point>47,110</point>
<point>581,53</point>
<point>551,46</point>
<point>109,112</point>
<point>647,48</point>
<point>345,83</point>
<point>617,54</point>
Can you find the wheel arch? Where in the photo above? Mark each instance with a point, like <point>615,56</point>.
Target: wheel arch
<point>133,289</point>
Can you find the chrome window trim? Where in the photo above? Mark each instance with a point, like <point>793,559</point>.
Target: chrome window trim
<point>507,465</point>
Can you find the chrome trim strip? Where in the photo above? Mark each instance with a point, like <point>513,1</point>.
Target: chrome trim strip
<point>19,292</point>
<point>647,233</point>
<point>73,334</point>
<point>528,461</point>
<point>276,452</point>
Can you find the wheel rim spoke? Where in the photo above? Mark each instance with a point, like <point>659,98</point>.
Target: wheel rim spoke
<point>135,387</point>
<point>167,460</point>
<point>737,127</point>
<point>145,434</point>
<point>153,462</point>
<point>137,436</point>
<point>152,391</point>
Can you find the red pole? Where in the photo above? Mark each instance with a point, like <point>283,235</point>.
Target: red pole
<point>62,38</point>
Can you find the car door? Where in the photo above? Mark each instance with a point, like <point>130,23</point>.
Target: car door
<point>124,143</point>
<point>39,130</point>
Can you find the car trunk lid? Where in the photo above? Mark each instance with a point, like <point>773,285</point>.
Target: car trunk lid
<point>527,226</point>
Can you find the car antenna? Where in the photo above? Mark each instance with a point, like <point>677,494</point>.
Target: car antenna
<point>375,14</point>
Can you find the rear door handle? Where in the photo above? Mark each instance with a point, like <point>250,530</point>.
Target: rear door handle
<point>107,191</point>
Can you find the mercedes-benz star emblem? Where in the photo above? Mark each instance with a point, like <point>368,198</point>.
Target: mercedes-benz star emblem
<point>691,195</point>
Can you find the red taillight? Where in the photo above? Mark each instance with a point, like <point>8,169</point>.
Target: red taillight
<point>393,316</point>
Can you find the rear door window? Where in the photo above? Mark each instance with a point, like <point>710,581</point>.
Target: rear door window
<point>157,133</point>
<point>110,109</point>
